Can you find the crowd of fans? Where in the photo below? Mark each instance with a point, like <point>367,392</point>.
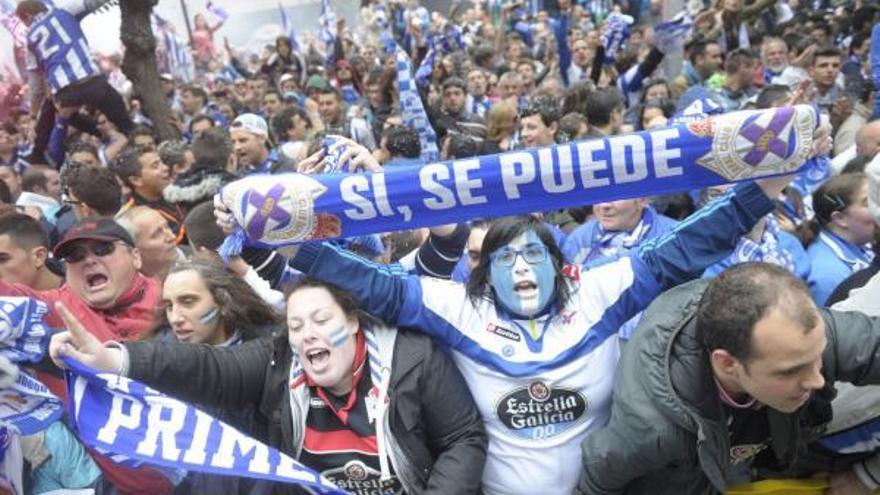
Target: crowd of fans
<point>100,214</point>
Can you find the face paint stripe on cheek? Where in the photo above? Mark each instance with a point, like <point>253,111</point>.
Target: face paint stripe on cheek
<point>211,315</point>
<point>339,336</point>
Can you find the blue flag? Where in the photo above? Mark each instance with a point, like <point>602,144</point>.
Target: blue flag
<point>288,29</point>
<point>278,210</point>
<point>135,424</point>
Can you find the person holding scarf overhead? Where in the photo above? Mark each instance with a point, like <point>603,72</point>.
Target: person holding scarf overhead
<point>843,227</point>
<point>373,408</point>
<point>538,345</point>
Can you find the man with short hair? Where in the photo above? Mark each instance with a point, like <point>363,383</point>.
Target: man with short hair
<point>539,122</point>
<point>43,180</point>
<point>477,102</point>
<point>12,178</point>
<point>24,252</point>
<point>271,104</point>
<point>823,71</point>
<point>868,139</point>
<point>604,112</point>
<point>105,292</point>
<point>9,150</point>
<point>400,145</point>
<point>722,378</point>
<point>704,58</point>
<point>147,177</point>
<point>617,227</point>
<point>737,88</point>
<point>250,143</point>
<point>92,192</point>
<point>452,116</point>
<point>153,239</point>
<point>333,115</point>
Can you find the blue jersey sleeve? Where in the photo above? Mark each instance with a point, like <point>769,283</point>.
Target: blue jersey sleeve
<point>385,291</point>
<point>706,237</point>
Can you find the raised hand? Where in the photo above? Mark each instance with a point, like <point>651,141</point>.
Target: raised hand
<point>79,344</point>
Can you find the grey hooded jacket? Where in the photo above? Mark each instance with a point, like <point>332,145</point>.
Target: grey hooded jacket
<point>668,429</point>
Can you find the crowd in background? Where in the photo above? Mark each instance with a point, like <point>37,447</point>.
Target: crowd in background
<point>98,212</point>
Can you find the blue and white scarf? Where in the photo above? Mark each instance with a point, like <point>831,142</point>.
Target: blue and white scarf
<point>856,257</point>
<point>616,34</point>
<point>767,250</point>
<point>670,36</point>
<point>413,111</point>
<point>290,208</point>
<point>607,244</point>
<point>26,406</point>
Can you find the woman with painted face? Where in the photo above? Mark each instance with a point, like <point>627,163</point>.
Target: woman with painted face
<point>208,304</point>
<point>322,391</point>
<point>536,343</point>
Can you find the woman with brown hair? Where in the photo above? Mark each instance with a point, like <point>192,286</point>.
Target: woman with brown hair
<point>503,122</point>
<point>843,228</point>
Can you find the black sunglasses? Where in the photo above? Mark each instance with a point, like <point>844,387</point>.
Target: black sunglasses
<point>79,252</point>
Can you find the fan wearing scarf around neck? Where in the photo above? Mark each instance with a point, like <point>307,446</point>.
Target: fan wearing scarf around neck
<point>368,406</point>
<point>843,229</point>
<point>766,242</point>
<point>618,226</point>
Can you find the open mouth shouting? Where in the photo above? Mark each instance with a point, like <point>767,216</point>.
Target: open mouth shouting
<point>318,358</point>
<point>526,289</point>
<point>96,281</point>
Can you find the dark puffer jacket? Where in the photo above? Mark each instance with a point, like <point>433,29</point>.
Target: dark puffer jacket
<point>668,430</point>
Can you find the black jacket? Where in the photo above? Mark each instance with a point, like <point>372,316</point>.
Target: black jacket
<point>431,414</point>
<point>668,430</point>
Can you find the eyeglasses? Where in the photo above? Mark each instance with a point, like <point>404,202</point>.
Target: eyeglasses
<point>100,249</point>
<point>532,254</point>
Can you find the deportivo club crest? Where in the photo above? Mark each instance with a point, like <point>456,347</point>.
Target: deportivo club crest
<point>274,211</point>
<point>751,144</point>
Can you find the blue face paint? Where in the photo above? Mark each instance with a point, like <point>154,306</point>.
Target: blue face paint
<point>211,315</point>
<point>542,274</point>
<point>339,336</point>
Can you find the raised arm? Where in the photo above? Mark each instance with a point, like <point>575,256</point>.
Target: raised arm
<point>215,376</point>
<point>387,291</point>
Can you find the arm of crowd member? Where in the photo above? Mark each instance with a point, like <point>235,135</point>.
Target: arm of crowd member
<point>596,66</point>
<point>261,286</point>
<point>453,426</point>
<point>631,83</point>
<point>562,49</point>
<point>235,62</point>
<point>268,263</point>
<point>386,291</point>
<point>751,10</point>
<point>118,142</point>
<point>215,376</point>
<point>853,350</point>
<point>440,252</point>
<point>55,152</point>
<point>37,90</point>
<point>692,246</point>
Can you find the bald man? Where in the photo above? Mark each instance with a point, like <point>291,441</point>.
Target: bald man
<point>868,139</point>
<point>153,238</point>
